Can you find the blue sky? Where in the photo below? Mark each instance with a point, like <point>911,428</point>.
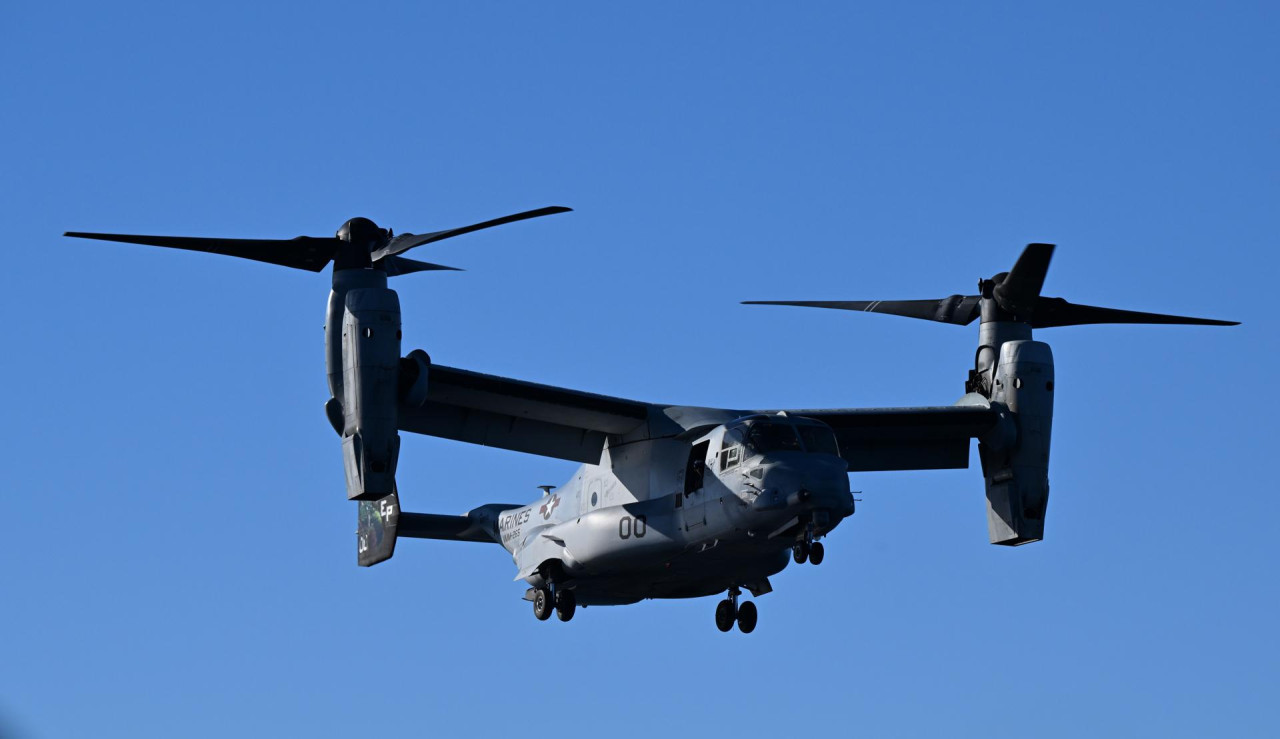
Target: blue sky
<point>181,552</point>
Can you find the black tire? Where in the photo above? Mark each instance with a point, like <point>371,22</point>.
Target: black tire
<point>817,552</point>
<point>542,606</point>
<point>566,604</point>
<point>747,617</point>
<point>725,615</point>
<point>800,553</point>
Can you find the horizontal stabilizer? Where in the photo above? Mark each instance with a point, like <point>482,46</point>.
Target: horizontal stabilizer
<point>382,523</point>
<point>435,526</point>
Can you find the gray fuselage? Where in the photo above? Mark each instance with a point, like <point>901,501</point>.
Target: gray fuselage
<point>667,518</point>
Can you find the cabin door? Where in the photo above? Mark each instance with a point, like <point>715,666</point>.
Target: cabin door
<point>694,504</point>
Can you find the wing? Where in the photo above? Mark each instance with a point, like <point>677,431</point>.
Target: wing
<point>521,416</point>
<point>925,438</point>
<point>570,424</point>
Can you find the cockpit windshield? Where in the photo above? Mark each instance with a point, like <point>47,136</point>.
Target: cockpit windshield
<point>764,435</point>
<point>818,440</point>
<point>773,437</point>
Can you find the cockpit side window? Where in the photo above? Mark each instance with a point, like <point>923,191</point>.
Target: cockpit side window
<point>730,457</point>
<point>731,451</point>
<point>819,440</point>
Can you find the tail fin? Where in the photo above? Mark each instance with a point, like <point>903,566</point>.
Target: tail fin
<point>376,530</point>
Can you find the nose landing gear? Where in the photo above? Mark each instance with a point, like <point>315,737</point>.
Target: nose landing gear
<point>808,549</point>
<point>728,611</point>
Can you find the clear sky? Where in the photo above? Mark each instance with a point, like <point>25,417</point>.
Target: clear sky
<point>181,558</point>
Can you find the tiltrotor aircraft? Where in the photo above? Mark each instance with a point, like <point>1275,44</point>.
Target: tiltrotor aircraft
<point>671,501</point>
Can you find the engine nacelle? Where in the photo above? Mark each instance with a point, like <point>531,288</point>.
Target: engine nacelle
<point>1017,475</point>
<point>370,388</point>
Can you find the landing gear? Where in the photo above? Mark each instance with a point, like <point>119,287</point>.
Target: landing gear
<point>546,600</point>
<point>566,604</point>
<point>543,604</point>
<point>725,615</point>
<point>808,548</point>
<point>728,612</point>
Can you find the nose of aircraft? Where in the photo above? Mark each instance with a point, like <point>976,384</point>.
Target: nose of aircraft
<point>814,480</point>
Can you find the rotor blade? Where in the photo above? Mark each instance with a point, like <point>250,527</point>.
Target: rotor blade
<point>957,309</point>
<point>403,266</point>
<point>1051,312</point>
<point>1020,288</point>
<point>405,242</point>
<point>303,252</point>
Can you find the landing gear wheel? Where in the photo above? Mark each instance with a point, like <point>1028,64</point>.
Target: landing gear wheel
<point>725,615</point>
<point>816,552</point>
<point>747,617</point>
<point>542,606</point>
<point>800,553</point>
<point>566,604</point>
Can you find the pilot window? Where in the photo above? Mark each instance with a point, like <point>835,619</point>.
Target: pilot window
<point>819,440</point>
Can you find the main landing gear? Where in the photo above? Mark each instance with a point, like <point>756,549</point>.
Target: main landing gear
<point>807,549</point>
<point>560,600</point>
<point>728,611</point>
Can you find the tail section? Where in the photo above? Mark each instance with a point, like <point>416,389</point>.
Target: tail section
<point>381,523</point>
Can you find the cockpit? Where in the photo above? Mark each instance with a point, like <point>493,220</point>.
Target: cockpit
<point>770,434</point>
<point>759,438</point>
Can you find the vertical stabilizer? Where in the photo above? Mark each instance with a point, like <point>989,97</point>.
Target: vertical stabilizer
<point>376,530</point>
